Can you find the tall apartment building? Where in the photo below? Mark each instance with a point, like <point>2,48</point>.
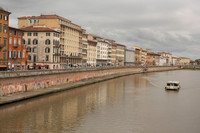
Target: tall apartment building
<point>4,21</point>
<point>166,58</point>
<point>70,35</point>
<point>102,51</point>
<point>17,54</point>
<point>120,50</point>
<point>84,48</point>
<point>137,56</point>
<point>143,57</point>
<point>91,50</point>
<point>43,47</point>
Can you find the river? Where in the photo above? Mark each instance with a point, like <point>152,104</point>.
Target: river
<point>130,104</point>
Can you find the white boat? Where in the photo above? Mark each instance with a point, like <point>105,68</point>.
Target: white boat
<point>173,85</point>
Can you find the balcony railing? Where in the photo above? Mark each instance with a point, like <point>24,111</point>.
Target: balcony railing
<point>15,45</point>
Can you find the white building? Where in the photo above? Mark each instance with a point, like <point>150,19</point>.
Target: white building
<point>129,57</point>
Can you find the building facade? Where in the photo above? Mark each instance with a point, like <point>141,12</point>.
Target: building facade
<point>113,54</point>
<point>129,57</point>
<point>43,47</point>
<point>91,51</point>
<point>120,50</point>
<point>137,56</point>
<point>17,54</point>
<point>70,36</point>
<point>166,58</point>
<point>84,49</point>
<point>144,57</point>
<point>4,22</point>
<point>183,61</point>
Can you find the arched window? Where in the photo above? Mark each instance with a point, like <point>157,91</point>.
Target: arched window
<point>47,41</point>
<point>47,50</point>
<point>35,41</point>
<point>28,49</point>
<point>34,50</point>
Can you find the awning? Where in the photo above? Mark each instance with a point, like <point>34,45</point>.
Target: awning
<point>40,66</point>
<point>2,66</point>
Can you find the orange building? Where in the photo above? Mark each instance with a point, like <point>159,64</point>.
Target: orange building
<point>4,21</point>
<point>17,55</point>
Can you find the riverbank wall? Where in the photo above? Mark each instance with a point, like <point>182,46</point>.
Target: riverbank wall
<point>27,81</point>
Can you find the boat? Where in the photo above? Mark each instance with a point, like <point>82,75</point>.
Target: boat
<point>173,85</point>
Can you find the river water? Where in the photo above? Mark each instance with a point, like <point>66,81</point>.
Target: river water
<point>130,104</point>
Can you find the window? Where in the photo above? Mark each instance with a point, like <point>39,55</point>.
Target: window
<point>29,34</point>
<point>23,41</point>
<point>30,21</point>
<point>15,32</point>
<point>10,40</point>
<point>48,34</point>
<point>10,54</point>
<point>5,28</point>
<point>34,50</point>
<point>15,41</point>
<point>29,41</point>
<point>23,54</point>
<point>14,54</point>
<point>29,57</point>
<point>19,54</point>
<point>4,41</point>
<point>4,54</point>
<point>47,41</point>
<point>0,16</point>
<point>19,41</point>
<point>19,33</point>
<point>28,49</point>
<point>35,41</point>
<point>47,50</point>
<point>35,34</point>
<point>10,32</point>
<point>5,17</point>
<point>47,58</point>
<point>34,58</point>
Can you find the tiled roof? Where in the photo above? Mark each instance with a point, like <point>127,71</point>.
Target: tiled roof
<point>38,29</point>
<point>2,10</point>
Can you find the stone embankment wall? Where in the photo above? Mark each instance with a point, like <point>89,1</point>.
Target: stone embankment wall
<point>23,81</point>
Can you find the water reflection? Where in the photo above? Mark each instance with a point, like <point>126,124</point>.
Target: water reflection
<point>136,103</point>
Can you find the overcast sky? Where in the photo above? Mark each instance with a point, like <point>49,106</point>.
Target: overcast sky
<point>161,25</point>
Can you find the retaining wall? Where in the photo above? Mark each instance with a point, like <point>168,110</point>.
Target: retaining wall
<point>23,81</point>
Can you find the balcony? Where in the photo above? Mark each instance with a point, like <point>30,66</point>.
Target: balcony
<point>14,58</point>
<point>15,45</point>
<point>56,46</point>
<point>61,49</point>
<point>84,53</point>
<point>57,54</point>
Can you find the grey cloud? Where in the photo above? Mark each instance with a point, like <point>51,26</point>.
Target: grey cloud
<point>171,25</point>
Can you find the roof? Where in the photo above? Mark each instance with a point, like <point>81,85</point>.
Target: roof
<point>163,53</point>
<point>2,10</point>
<point>120,44</point>
<point>38,29</point>
<point>92,40</point>
<point>176,82</point>
<point>152,53</point>
<point>183,58</point>
<point>15,28</point>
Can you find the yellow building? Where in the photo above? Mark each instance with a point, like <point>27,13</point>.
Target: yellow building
<point>120,49</point>
<point>70,35</point>
<point>144,57</point>
<point>84,48</point>
<point>91,50</point>
<point>138,55</point>
<point>113,54</point>
<point>183,61</point>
